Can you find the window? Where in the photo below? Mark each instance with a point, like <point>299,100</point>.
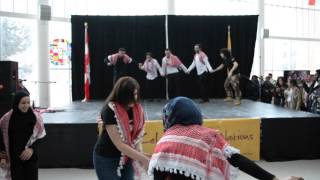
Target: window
<point>60,71</point>
<point>18,42</point>
<point>294,29</point>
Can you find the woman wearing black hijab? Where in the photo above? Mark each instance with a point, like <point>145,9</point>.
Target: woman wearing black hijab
<point>21,129</point>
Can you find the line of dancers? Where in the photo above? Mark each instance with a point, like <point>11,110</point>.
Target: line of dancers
<point>171,66</point>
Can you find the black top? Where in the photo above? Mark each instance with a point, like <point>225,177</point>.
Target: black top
<point>2,148</point>
<point>228,63</point>
<point>120,68</point>
<point>104,146</point>
<point>20,130</point>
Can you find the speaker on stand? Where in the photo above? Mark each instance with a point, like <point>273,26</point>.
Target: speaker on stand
<point>8,84</point>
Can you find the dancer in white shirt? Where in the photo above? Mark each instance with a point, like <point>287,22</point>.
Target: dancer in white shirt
<point>171,65</point>
<point>201,63</point>
<point>151,66</point>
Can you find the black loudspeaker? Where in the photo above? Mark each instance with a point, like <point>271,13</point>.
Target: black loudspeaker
<point>8,84</point>
<point>45,12</point>
<point>5,103</point>
<point>8,77</point>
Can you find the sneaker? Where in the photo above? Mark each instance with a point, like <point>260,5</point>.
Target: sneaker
<point>228,99</point>
<point>237,102</point>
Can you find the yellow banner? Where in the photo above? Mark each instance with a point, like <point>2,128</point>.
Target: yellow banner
<point>242,133</point>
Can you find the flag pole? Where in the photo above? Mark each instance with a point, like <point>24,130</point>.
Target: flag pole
<point>167,46</point>
<point>86,65</point>
<point>229,46</point>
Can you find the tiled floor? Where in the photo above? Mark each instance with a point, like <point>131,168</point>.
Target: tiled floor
<point>308,169</point>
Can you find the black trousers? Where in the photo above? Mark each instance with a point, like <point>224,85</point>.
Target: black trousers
<point>174,85</point>
<point>117,75</point>
<point>24,170</point>
<point>202,81</point>
<point>151,86</point>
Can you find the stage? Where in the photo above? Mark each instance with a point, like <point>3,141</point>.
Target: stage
<point>285,134</point>
<point>79,112</point>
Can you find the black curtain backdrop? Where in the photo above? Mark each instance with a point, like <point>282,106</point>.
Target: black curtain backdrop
<point>211,33</point>
<point>107,34</point>
<point>139,34</point>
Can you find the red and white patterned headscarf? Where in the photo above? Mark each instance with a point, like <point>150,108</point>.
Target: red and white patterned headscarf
<point>189,148</point>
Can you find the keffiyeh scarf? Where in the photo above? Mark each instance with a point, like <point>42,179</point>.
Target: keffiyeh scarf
<point>190,149</point>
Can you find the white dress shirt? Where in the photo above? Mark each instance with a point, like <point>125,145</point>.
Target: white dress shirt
<point>152,69</point>
<point>201,68</point>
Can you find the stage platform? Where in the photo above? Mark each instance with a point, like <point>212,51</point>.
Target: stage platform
<point>78,112</point>
<point>285,134</point>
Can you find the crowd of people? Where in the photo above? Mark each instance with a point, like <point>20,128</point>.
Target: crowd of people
<point>289,92</point>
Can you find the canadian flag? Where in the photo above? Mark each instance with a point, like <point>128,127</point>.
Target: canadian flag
<point>87,80</point>
<point>312,2</point>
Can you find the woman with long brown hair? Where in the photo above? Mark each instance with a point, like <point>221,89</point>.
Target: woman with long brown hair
<point>118,148</point>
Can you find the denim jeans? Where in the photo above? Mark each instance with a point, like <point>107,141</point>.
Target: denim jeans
<point>106,168</point>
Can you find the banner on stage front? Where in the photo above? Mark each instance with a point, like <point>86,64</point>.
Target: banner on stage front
<point>243,134</point>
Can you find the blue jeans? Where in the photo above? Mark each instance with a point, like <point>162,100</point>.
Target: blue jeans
<point>106,168</point>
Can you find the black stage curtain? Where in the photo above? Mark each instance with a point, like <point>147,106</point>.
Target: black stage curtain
<point>211,33</point>
<point>137,34</point>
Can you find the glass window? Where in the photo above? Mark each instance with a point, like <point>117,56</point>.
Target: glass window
<point>58,8</point>
<point>60,64</point>
<point>20,6</point>
<point>6,5</point>
<point>32,6</point>
<point>283,55</point>
<point>215,7</point>
<point>18,42</point>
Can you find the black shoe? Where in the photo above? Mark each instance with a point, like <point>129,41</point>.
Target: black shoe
<point>150,100</point>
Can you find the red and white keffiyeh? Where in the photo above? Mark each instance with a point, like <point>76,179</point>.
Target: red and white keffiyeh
<point>132,138</point>
<point>115,57</point>
<point>202,56</point>
<point>173,61</point>
<point>38,133</point>
<point>195,151</point>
